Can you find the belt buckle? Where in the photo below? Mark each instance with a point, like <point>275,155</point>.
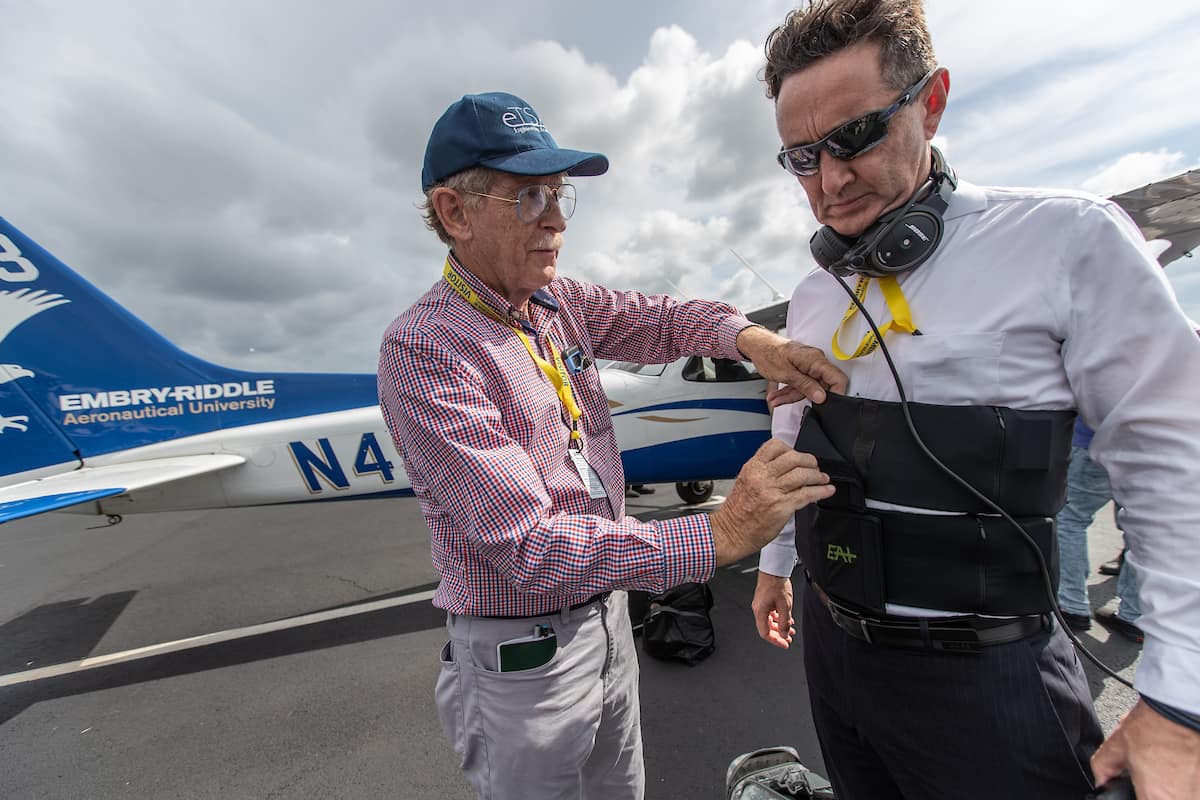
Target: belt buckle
<point>965,645</point>
<point>844,620</point>
<point>956,646</point>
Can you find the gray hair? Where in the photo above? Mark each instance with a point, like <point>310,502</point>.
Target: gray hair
<point>475,179</point>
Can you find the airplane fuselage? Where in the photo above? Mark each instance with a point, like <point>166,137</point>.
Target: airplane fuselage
<point>669,429</point>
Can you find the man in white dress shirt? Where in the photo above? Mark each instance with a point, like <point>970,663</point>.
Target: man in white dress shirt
<point>933,663</point>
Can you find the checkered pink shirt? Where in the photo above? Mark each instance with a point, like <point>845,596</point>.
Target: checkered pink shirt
<point>484,439</point>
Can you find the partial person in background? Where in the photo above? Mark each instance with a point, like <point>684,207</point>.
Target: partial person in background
<point>1087,492</point>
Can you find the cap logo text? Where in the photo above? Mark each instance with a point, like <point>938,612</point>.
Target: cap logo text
<point>522,119</point>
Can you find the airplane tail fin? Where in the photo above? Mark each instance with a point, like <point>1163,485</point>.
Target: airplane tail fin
<point>81,376</point>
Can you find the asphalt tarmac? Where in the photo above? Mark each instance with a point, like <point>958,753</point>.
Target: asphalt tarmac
<point>291,652</point>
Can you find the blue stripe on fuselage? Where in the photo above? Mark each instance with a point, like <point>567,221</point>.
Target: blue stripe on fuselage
<point>712,457</point>
<point>717,403</point>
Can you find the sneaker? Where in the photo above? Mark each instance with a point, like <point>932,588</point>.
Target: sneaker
<point>1077,622</point>
<point>1109,619</point>
<point>1112,567</point>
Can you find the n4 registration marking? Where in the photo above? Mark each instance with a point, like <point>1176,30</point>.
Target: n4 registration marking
<point>320,467</point>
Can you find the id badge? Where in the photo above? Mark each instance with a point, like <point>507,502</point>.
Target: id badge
<point>588,475</point>
<point>527,652</point>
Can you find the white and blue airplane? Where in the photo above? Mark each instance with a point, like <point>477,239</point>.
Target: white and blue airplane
<point>100,414</point>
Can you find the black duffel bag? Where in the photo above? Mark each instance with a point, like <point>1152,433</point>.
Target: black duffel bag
<point>677,625</point>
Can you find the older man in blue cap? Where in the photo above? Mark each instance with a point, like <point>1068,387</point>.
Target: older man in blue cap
<point>489,386</point>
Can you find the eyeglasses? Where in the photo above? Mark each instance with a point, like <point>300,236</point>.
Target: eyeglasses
<point>850,140</point>
<point>533,201</point>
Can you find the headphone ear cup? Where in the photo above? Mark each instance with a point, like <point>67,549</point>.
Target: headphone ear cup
<point>828,246</point>
<point>898,241</point>
<point>908,242</point>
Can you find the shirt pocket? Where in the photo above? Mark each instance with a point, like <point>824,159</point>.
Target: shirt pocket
<point>589,394</point>
<point>954,369</point>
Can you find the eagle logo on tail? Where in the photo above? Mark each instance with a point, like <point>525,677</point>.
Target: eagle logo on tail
<point>21,304</point>
<point>17,306</point>
<point>16,423</point>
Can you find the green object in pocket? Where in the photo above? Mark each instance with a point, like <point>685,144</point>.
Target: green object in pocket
<point>530,652</point>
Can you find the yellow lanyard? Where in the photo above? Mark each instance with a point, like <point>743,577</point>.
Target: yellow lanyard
<point>556,371</point>
<point>901,316</point>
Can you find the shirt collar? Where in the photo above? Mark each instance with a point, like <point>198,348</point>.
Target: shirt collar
<point>543,299</point>
<point>967,198</point>
<point>498,302</point>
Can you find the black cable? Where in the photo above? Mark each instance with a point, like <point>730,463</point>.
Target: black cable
<point>1037,551</point>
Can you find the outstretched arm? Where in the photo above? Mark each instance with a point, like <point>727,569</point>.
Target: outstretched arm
<point>803,372</point>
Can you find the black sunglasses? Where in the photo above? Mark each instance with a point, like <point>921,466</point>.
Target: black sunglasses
<point>849,140</point>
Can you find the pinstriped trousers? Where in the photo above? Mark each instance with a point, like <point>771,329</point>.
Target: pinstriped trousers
<point>1014,721</point>
<point>568,729</point>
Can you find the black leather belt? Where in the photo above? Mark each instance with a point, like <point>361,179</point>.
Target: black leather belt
<point>596,598</point>
<point>962,634</point>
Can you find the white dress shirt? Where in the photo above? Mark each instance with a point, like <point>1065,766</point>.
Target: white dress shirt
<point>1048,299</point>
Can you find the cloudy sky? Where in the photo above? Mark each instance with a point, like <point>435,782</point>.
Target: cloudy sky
<point>244,175</point>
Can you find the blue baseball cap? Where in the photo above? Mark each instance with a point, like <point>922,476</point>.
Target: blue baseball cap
<point>500,131</point>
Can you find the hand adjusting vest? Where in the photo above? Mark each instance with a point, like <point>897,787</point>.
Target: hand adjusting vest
<point>971,561</point>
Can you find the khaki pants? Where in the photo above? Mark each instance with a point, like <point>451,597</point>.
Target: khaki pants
<point>568,729</point>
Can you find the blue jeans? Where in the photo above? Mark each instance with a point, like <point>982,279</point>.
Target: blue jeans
<point>1087,491</point>
<point>1127,594</point>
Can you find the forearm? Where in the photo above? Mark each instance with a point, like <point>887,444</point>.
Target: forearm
<point>1176,715</point>
<point>653,329</point>
<point>588,554</point>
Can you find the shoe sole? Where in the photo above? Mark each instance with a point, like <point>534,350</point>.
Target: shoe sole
<point>1118,626</point>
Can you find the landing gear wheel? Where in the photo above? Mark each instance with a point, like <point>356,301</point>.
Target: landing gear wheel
<point>694,492</point>
<point>110,520</point>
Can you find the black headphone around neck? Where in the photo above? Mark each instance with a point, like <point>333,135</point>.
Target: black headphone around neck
<point>898,241</point>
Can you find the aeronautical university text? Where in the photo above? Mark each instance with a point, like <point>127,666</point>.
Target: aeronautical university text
<point>121,405</point>
<point>124,398</point>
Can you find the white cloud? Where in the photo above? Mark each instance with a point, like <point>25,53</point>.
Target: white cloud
<point>1184,277</point>
<point>1133,170</point>
<point>242,183</point>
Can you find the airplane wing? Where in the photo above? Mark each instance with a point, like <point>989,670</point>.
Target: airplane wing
<point>772,316</point>
<point>1168,209</point>
<point>95,483</point>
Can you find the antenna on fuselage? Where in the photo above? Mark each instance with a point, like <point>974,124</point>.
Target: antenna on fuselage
<point>775,295</point>
<point>678,291</point>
